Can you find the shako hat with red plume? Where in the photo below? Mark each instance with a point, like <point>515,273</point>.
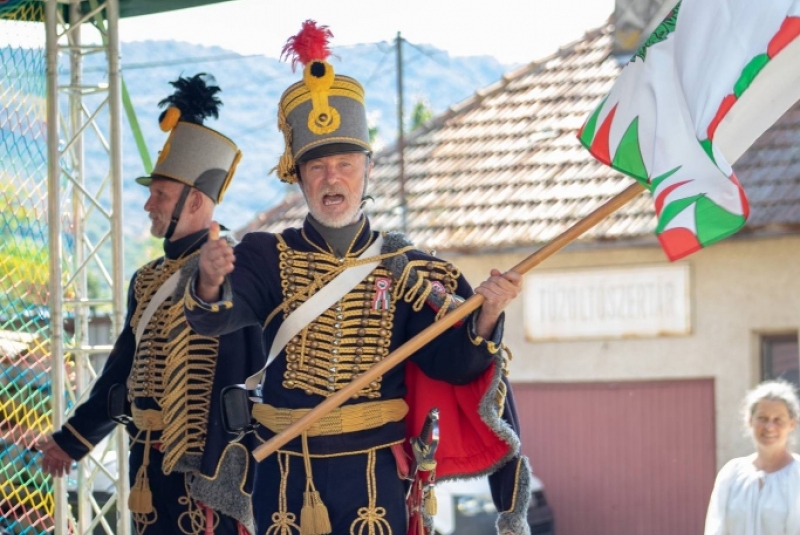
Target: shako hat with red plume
<point>322,114</point>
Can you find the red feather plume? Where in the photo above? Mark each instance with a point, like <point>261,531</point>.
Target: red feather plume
<point>310,44</point>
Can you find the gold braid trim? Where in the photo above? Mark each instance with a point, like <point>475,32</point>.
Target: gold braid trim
<point>477,340</point>
<point>297,94</point>
<point>283,522</point>
<point>286,167</point>
<point>146,378</point>
<point>81,438</point>
<point>500,395</point>
<point>320,279</point>
<point>371,519</point>
<point>347,419</point>
<point>314,517</point>
<point>140,499</point>
<point>427,271</point>
<point>346,339</point>
<point>188,381</point>
<point>515,495</point>
<point>193,521</point>
<point>149,279</point>
<point>143,520</point>
<point>173,365</point>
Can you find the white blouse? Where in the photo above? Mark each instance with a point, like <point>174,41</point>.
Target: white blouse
<point>747,501</point>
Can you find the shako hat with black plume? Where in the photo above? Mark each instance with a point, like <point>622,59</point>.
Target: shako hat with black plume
<point>194,154</point>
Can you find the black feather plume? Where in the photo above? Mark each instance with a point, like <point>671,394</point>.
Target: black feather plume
<point>196,97</point>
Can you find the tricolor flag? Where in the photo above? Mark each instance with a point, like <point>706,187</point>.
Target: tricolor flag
<point>711,78</point>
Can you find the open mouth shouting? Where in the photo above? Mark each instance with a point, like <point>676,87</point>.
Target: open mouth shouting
<point>332,199</point>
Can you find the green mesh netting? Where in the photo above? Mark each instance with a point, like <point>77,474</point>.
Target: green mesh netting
<point>26,500</point>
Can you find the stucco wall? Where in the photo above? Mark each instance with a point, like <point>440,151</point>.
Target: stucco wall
<point>740,289</point>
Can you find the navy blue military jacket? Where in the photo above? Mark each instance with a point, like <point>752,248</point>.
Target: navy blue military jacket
<point>275,273</point>
<point>228,360</point>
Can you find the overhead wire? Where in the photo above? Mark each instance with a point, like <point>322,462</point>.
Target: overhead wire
<point>179,61</point>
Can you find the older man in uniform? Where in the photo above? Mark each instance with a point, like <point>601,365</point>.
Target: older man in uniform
<point>346,473</point>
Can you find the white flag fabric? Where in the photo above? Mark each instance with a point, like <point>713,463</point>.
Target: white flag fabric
<point>711,78</point>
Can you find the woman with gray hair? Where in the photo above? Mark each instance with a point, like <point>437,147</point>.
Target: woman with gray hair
<point>760,494</point>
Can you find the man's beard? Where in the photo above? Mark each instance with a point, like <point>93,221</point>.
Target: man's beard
<point>337,221</point>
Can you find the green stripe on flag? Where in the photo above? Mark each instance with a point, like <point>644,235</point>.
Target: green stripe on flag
<point>659,179</point>
<point>707,146</point>
<point>749,73</point>
<point>628,157</point>
<point>591,125</point>
<point>714,222</point>
<point>673,209</point>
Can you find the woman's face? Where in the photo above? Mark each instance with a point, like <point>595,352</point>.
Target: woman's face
<point>771,424</point>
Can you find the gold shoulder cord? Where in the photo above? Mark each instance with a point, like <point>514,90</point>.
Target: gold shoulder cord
<point>427,273</point>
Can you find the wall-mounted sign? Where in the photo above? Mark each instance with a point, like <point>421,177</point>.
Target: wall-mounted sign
<point>607,303</point>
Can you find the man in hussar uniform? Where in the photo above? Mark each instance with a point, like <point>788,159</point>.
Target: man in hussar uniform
<point>345,474</point>
<point>185,475</point>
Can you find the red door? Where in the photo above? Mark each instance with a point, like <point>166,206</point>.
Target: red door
<point>622,458</point>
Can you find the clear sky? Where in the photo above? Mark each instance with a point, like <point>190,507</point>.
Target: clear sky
<point>513,31</point>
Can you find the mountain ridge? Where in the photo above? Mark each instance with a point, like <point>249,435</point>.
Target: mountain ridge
<point>251,88</point>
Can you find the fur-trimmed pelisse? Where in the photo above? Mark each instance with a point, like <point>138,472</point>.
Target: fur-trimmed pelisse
<point>194,154</point>
<point>324,110</point>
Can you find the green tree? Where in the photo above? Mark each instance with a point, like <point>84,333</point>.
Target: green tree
<point>420,115</point>
<point>373,134</point>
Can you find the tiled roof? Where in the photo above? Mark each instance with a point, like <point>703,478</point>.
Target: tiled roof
<point>504,169</point>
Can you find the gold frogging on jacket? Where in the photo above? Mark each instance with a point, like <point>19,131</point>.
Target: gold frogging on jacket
<point>354,334</point>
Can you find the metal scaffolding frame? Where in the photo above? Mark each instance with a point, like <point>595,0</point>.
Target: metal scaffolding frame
<point>93,111</point>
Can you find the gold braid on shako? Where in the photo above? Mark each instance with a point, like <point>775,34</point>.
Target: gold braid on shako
<point>322,109</point>
<point>194,154</point>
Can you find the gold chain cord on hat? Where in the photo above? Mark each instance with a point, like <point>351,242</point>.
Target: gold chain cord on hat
<point>286,165</point>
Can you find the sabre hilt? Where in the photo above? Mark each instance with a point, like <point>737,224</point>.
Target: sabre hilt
<point>424,446</point>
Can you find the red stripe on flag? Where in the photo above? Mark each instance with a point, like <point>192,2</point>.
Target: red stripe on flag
<point>663,195</point>
<point>600,148</point>
<point>724,108</point>
<point>789,31</point>
<point>678,242</point>
<point>742,196</point>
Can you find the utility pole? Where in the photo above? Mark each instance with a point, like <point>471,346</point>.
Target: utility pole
<point>401,140</point>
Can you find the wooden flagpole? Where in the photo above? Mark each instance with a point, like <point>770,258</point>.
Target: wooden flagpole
<point>448,320</point>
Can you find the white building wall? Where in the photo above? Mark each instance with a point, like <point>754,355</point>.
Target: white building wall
<point>740,289</point>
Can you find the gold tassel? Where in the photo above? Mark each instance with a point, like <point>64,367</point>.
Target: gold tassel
<point>140,499</point>
<point>286,164</point>
<point>429,502</point>
<point>314,518</point>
